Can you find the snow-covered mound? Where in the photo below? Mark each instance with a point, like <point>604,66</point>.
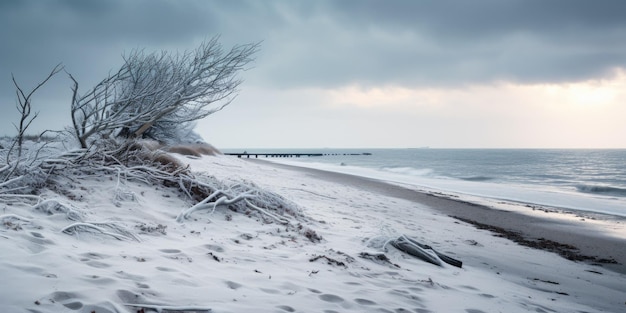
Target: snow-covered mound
<point>105,242</point>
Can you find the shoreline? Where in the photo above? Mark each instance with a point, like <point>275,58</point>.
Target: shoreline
<point>573,240</point>
<point>318,242</point>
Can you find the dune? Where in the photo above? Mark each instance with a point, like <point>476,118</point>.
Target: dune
<point>142,260</point>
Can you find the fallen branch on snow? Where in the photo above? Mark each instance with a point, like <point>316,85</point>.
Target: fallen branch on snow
<point>161,308</point>
<point>14,217</point>
<point>52,206</point>
<point>80,226</point>
<point>275,217</point>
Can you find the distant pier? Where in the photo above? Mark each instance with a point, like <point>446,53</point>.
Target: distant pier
<point>290,155</point>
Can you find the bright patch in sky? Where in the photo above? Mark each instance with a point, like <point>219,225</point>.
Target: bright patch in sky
<point>601,94</point>
<point>586,114</point>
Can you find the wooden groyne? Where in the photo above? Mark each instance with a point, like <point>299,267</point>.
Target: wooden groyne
<point>290,155</point>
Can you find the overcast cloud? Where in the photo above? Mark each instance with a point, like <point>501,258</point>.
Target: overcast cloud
<point>309,45</point>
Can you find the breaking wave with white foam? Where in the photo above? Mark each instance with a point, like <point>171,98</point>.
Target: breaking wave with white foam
<point>588,180</point>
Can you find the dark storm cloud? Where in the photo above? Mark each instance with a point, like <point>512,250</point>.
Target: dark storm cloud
<point>334,42</point>
<point>471,19</point>
<point>67,31</point>
<point>325,43</point>
<point>452,42</point>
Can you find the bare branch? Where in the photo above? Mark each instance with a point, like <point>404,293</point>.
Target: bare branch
<point>160,87</point>
<point>23,106</point>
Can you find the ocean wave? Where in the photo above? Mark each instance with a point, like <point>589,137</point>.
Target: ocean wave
<point>478,178</point>
<point>604,190</point>
<point>409,171</point>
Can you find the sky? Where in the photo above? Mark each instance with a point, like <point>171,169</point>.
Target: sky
<point>350,74</point>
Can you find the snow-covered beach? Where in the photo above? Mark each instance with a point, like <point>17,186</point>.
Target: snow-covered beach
<point>421,156</point>
<point>232,262</point>
<point>596,236</point>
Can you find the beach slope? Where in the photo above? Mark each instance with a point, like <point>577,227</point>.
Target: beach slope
<point>236,262</point>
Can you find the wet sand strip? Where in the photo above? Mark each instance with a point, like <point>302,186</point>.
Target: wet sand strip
<point>528,230</point>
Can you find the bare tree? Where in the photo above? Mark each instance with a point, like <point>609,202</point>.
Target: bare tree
<point>160,87</point>
<point>23,106</point>
<point>161,93</point>
<point>17,165</point>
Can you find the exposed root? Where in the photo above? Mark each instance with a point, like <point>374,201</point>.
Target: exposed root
<point>52,206</point>
<point>13,198</point>
<point>241,197</point>
<point>202,205</point>
<point>13,217</point>
<point>12,221</point>
<point>275,217</point>
<point>117,229</point>
<point>99,228</point>
<point>64,160</point>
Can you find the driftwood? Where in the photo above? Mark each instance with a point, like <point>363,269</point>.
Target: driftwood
<point>167,308</point>
<point>424,252</point>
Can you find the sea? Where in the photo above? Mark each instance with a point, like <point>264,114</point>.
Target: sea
<point>592,180</point>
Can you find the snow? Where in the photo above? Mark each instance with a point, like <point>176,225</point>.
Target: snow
<point>542,195</point>
<point>232,262</point>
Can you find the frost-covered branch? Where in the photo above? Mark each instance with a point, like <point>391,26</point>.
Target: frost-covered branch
<point>275,217</point>
<point>160,92</point>
<point>7,217</point>
<point>16,162</point>
<point>24,107</point>
<point>52,206</point>
<point>91,227</point>
<point>206,205</point>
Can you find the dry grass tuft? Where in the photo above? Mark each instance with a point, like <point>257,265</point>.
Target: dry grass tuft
<point>169,163</point>
<point>197,149</point>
